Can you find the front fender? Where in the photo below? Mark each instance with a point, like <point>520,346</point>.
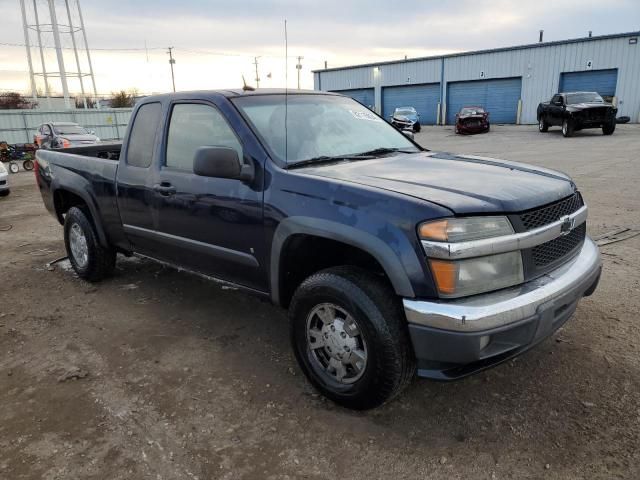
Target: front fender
<point>331,230</point>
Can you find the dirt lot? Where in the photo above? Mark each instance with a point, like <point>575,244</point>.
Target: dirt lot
<point>159,374</point>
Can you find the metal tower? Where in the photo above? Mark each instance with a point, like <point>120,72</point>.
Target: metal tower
<point>40,18</point>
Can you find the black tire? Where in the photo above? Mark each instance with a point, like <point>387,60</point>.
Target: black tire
<point>100,261</point>
<point>567,127</point>
<point>27,165</point>
<point>417,127</point>
<point>609,128</point>
<point>374,306</point>
<point>543,126</point>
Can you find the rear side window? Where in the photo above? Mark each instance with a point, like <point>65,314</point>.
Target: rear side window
<point>194,125</point>
<point>143,135</point>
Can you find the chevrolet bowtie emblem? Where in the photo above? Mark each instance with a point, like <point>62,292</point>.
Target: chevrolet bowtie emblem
<point>567,225</point>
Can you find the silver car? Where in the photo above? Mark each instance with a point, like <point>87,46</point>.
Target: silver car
<point>4,181</point>
<point>63,135</point>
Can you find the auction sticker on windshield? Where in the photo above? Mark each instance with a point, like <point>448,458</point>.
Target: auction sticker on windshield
<point>365,116</point>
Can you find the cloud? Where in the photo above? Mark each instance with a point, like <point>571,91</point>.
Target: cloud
<point>340,32</point>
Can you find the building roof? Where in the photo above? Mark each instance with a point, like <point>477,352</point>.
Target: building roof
<point>478,52</point>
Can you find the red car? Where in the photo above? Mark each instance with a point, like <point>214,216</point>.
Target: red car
<point>472,120</point>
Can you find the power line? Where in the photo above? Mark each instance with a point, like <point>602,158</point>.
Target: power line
<point>22,45</point>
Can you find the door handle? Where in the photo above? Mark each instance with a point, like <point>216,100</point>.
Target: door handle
<point>164,189</point>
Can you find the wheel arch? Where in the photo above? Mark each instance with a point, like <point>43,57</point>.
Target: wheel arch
<point>66,197</point>
<point>293,228</point>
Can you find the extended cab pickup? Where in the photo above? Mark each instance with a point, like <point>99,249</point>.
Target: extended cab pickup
<point>391,258</point>
<point>575,111</point>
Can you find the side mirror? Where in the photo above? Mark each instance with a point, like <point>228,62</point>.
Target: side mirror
<point>408,133</point>
<point>221,162</point>
<point>92,132</point>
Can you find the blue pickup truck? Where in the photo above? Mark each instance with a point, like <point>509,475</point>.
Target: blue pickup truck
<point>391,259</point>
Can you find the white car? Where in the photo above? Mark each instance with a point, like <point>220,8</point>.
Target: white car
<point>4,181</point>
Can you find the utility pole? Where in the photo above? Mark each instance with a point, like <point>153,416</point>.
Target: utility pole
<point>171,63</point>
<point>299,67</point>
<point>255,62</point>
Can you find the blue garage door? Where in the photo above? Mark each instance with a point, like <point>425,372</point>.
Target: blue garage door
<point>363,95</point>
<point>601,81</point>
<point>499,97</point>
<point>424,98</point>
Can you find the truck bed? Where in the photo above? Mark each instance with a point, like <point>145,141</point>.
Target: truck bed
<point>87,172</point>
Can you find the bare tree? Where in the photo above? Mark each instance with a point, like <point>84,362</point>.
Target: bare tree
<point>14,100</point>
<point>123,99</point>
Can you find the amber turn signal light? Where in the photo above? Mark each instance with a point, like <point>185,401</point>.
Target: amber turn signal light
<point>445,274</point>
<point>434,231</point>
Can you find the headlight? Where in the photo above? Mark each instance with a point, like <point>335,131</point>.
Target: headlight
<point>2,169</point>
<point>464,229</point>
<point>459,278</point>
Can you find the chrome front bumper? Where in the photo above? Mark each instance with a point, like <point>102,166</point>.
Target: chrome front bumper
<point>497,309</point>
<point>455,338</point>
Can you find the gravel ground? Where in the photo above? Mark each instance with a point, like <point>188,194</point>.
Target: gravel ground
<point>159,374</point>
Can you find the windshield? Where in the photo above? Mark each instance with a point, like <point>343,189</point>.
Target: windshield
<point>319,126</point>
<point>471,111</point>
<point>70,129</point>
<point>586,97</point>
<point>405,111</point>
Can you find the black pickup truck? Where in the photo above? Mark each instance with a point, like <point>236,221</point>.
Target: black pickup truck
<point>390,258</point>
<point>575,111</point>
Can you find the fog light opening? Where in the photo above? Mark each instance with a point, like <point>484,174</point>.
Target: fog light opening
<point>484,341</point>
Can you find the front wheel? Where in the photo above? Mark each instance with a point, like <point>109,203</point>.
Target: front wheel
<point>416,127</point>
<point>350,338</point>
<point>609,128</point>
<point>27,165</point>
<point>542,125</point>
<point>13,167</point>
<point>567,128</point>
<point>90,260</point>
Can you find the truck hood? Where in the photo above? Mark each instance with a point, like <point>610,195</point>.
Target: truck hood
<point>462,183</point>
<point>582,106</point>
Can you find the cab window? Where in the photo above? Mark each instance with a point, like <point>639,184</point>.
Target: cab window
<point>195,125</point>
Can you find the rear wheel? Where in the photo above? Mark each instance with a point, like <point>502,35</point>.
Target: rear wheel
<point>609,128</point>
<point>542,125</point>
<point>416,127</point>
<point>27,165</point>
<point>350,338</point>
<point>90,260</point>
<point>567,127</point>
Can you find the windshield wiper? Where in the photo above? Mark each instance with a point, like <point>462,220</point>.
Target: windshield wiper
<point>328,159</point>
<point>383,151</point>
<point>343,158</point>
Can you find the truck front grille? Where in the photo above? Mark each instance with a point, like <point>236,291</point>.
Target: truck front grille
<point>550,213</point>
<point>596,113</point>
<point>558,248</point>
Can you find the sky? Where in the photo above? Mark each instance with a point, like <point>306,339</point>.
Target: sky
<point>215,42</point>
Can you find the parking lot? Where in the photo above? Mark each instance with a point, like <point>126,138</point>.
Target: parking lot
<point>156,373</point>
